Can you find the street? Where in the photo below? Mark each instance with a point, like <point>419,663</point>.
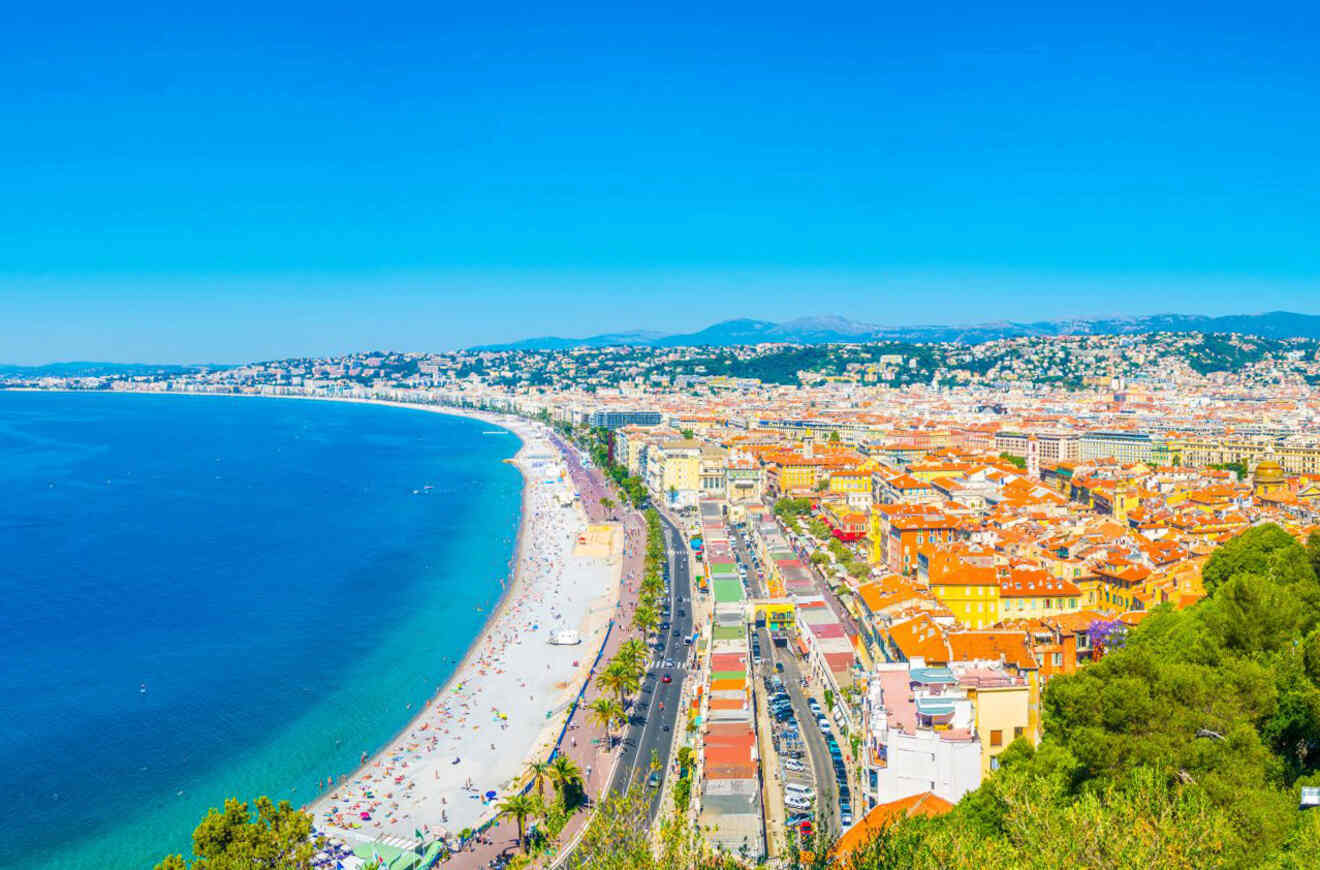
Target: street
<point>651,728</point>
<point>827,816</point>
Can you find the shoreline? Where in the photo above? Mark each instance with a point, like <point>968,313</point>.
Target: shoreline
<point>593,620</point>
<point>589,619</point>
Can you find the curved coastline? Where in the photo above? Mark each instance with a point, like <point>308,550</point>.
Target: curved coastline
<point>517,583</point>
<point>604,600</point>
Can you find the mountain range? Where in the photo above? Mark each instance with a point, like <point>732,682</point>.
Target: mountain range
<point>835,329</point>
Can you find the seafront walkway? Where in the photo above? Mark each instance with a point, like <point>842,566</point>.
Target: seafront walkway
<point>580,739</point>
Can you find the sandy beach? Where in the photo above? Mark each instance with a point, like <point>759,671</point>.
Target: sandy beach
<point>508,699</point>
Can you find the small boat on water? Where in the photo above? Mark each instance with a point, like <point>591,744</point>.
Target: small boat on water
<point>565,637</point>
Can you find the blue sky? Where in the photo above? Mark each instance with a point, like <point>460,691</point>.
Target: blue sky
<point>257,181</point>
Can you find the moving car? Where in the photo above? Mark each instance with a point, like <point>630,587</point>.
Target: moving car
<point>653,781</point>
<point>666,679</point>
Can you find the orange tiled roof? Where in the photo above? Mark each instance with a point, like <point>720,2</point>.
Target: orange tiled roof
<point>881,816</point>
<point>1010,646</point>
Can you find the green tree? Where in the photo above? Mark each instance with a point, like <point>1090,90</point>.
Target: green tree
<point>636,653</point>
<point>279,838</point>
<point>1266,550</point>
<point>606,712</point>
<point>568,779</point>
<point>537,771</point>
<point>520,807</point>
<point>646,619</point>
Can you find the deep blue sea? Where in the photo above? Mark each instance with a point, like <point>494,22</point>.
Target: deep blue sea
<point>263,567</point>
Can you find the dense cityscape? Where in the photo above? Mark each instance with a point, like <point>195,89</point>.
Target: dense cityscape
<point>899,548</point>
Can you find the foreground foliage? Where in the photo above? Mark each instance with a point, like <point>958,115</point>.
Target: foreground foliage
<point>278,838</point>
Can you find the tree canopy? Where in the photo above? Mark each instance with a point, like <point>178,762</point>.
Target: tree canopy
<point>278,838</point>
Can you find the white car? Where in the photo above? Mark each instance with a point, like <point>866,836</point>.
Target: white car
<point>797,803</point>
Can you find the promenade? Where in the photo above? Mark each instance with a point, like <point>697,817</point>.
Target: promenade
<point>580,739</point>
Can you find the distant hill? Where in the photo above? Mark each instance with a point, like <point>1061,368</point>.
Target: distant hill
<point>99,369</point>
<point>834,329</point>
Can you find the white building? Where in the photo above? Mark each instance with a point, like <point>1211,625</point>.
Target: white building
<point>919,733</point>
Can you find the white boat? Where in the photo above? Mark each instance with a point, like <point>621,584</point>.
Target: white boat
<point>565,637</point>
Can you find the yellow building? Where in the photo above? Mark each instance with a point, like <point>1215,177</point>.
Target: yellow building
<point>1002,714</point>
<point>673,472</point>
<point>851,482</point>
<point>971,592</point>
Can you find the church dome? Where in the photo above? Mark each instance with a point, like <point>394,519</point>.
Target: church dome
<point>1269,471</point>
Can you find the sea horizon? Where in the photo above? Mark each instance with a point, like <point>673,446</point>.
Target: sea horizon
<point>132,517</point>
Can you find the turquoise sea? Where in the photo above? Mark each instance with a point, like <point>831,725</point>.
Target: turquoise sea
<point>208,596</point>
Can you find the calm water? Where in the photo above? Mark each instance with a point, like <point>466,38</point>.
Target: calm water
<point>262,566</point>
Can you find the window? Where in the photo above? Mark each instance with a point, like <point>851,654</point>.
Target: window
<point>1017,732</point>
<point>996,738</point>
<point>1058,660</point>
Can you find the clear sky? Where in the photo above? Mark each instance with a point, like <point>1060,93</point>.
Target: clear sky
<point>264,180</point>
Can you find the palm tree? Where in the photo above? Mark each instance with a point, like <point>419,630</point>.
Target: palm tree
<point>645,618</point>
<point>635,653</point>
<point>520,806</point>
<point>606,712</point>
<point>565,772</point>
<point>611,680</point>
<point>538,770</point>
<point>626,681</point>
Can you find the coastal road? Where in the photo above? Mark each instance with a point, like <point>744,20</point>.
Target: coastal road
<point>651,728</point>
